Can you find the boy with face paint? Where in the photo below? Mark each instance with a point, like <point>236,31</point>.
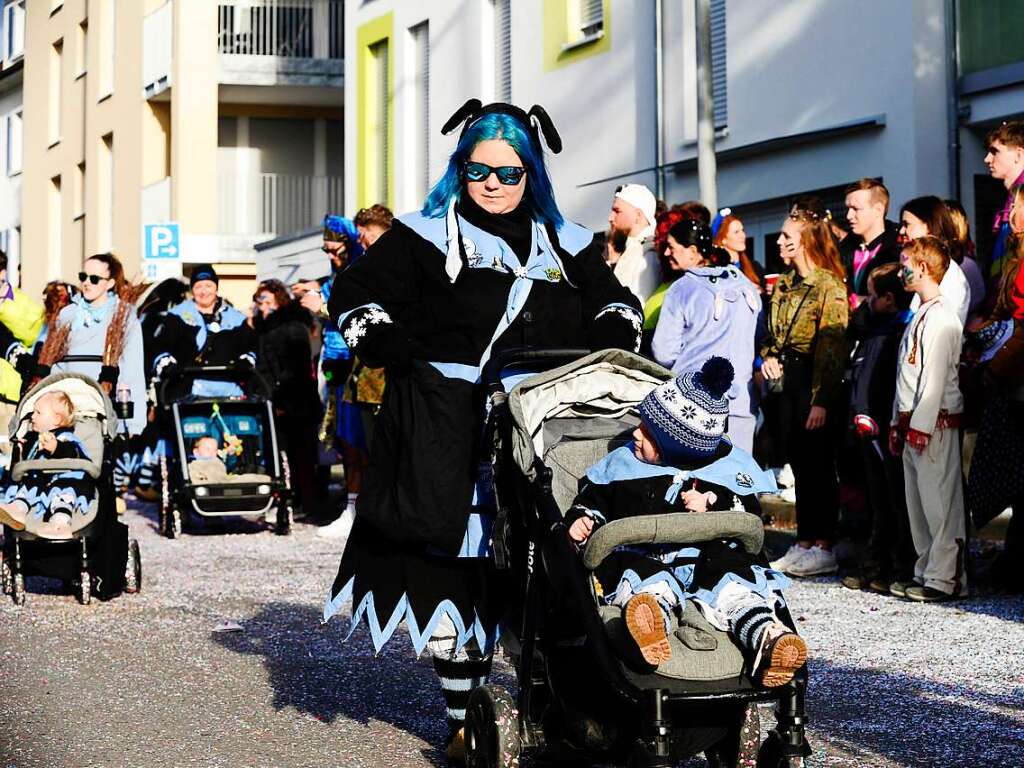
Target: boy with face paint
<point>925,427</point>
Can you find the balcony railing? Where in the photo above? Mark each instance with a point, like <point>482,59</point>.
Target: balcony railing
<point>303,29</point>
<point>272,204</point>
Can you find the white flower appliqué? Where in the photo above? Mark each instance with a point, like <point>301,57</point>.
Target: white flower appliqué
<point>357,327</point>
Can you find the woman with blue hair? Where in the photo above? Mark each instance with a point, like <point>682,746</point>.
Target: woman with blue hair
<point>488,264</point>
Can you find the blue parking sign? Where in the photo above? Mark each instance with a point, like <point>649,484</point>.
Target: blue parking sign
<point>161,242</point>
<point>161,251</point>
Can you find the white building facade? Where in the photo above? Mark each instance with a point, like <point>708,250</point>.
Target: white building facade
<point>12,64</point>
<point>810,96</point>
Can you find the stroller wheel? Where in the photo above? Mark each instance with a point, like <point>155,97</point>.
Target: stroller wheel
<point>492,729</point>
<point>772,754</point>
<point>283,524</point>
<point>6,577</point>
<point>133,572</point>
<point>85,588</point>
<point>18,589</point>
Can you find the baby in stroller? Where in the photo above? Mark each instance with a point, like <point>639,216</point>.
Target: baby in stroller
<point>677,455</point>
<point>45,502</point>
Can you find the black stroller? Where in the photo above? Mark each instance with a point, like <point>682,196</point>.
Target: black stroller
<point>97,558</point>
<point>256,484</point>
<point>580,699</point>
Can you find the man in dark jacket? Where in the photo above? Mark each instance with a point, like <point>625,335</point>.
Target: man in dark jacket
<point>873,240</point>
<point>874,332</point>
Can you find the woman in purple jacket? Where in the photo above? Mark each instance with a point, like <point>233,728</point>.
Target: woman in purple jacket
<point>713,309</point>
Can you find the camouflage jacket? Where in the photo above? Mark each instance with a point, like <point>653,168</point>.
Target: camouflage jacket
<point>818,329</point>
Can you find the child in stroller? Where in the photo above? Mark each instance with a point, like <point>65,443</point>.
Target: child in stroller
<point>680,433</point>
<point>64,435</point>
<point>46,502</point>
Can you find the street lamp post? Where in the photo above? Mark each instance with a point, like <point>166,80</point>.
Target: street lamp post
<point>706,164</point>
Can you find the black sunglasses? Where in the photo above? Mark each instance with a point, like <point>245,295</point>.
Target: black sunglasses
<point>509,175</point>
<point>94,279</point>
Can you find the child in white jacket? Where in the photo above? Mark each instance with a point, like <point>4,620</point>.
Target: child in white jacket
<point>926,417</point>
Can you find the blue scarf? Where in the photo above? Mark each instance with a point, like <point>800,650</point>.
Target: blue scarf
<point>88,314</point>
<point>736,471</point>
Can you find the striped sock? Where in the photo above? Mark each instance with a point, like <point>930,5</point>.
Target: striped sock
<point>749,626</point>
<point>458,678</point>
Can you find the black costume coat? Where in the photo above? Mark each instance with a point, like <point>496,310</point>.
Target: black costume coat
<point>398,307</point>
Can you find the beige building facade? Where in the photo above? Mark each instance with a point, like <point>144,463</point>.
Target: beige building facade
<point>223,116</point>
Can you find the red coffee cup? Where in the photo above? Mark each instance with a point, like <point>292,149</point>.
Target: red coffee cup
<point>770,281</point>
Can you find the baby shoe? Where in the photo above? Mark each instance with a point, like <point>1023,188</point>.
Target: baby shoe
<point>781,654</point>
<point>645,621</point>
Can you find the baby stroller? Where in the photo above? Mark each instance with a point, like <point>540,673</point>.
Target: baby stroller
<point>98,558</point>
<point>257,483</point>
<point>581,698</point>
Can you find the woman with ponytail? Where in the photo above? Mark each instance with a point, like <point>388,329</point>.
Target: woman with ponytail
<point>711,310</point>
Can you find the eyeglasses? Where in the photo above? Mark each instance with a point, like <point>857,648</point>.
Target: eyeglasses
<point>339,249</point>
<point>509,175</point>
<point>94,279</point>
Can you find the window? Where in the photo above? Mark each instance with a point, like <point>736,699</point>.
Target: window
<point>419,126</point>
<point>105,191</point>
<point>10,242</point>
<point>56,62</point>
<point>13,138</point>
<point>989,34</point>
<point>719,78</point>
<point>14,30</point>
<point>56,226</point>
<point>81,48</point>
<point>106,42</point>
<point>590,21</point>
<point>79,191</point>
<point>502,50</point>
<point>380,81</point>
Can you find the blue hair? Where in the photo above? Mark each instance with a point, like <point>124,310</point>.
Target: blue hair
<point>498,125</point>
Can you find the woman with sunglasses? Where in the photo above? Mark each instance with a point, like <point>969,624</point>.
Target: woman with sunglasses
<point>91,316</point>
<point>488,264</point>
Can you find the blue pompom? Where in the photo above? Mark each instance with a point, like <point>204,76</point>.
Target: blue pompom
<point>716,376</point>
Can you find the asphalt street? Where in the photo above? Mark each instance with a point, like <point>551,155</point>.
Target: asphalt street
<point>148,680</point>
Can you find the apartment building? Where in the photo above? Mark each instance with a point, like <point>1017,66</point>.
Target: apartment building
<point>223,116</point>
<point>12,63</point>
<point>809,95</point>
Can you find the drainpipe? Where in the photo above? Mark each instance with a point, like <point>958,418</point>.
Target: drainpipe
<point>953,98</point>
<point>659,104</point>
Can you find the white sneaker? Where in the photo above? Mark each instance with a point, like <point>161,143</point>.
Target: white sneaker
<point>340,528</point>
<point>816,562</point>
<point>784,477</point>
<point>788,495</point>
<point>793,554</point>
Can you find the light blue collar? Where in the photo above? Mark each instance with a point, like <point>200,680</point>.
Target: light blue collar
<point>92,314</point>
<point>736,471</point>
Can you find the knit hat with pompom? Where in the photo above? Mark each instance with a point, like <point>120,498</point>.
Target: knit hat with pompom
<point>687,416</point>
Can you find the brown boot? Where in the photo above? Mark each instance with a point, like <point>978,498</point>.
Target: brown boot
<point>782,654</point>
<point>645,621</point>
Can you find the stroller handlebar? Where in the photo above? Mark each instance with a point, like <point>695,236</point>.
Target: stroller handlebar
<point>237,373</point>
<point>491,374</point>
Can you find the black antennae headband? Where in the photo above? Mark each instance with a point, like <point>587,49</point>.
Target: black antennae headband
<point>537,121</point>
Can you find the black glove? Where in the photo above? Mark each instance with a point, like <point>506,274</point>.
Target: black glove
<point>337,371</point>
<point>26,365</point>
<point>388,347</point>
<point>42,371</point>
<point>109,374</point>
<point>243,364</point>
<point>169,371</point>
